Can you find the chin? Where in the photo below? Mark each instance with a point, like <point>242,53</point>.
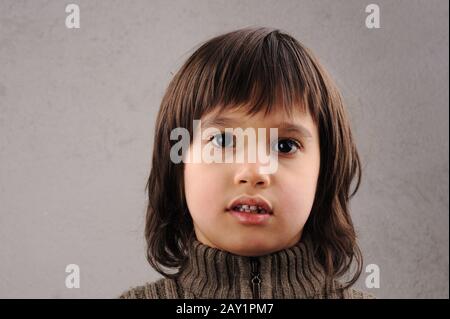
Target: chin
<point>253,249</point>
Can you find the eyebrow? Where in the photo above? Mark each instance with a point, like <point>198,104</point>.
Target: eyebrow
<point>221,121</point>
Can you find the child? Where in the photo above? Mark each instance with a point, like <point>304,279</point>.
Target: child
<point>231,229</point>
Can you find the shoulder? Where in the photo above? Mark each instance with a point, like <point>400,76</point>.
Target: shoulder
<point>163,288</point>
<point>340,292</point>
<point>353,293</point>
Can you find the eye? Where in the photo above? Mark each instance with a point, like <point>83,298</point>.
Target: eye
<point>287,146</point>
<point>222,140</point>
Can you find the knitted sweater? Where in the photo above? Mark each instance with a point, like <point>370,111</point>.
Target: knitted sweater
<point>216,274</point>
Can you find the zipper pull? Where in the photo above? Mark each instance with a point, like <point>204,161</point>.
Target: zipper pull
<point>256,279</point>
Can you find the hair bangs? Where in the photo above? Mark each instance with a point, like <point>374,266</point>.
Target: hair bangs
<point>256,70</point>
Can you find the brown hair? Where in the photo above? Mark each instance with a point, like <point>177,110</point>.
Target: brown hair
<point>262,68</point>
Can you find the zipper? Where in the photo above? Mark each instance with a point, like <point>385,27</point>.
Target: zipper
<point>256,278</point>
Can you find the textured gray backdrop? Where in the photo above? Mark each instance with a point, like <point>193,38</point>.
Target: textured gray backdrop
<point>77,113</point>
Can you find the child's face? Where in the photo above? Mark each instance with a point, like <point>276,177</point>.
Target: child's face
<point>210,188</point>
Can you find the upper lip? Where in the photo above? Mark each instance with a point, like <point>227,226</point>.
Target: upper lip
<point>251,201</point>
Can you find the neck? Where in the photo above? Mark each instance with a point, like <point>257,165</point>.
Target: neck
<point>290,273</point>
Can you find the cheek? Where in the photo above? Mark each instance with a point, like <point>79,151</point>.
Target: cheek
<point>204,190</point>
<point>296,195</point>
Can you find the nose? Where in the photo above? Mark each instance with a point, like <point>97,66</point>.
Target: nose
<point>249,173</point>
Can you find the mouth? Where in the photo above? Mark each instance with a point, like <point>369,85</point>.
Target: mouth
<point>250,205</point>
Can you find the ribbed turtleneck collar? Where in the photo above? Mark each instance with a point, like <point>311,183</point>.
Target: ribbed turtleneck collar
<point>290,273</point>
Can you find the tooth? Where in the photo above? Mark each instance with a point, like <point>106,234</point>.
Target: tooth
<point>250,209</point>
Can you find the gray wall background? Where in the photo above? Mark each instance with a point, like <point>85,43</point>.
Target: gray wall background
<point>77,112</point>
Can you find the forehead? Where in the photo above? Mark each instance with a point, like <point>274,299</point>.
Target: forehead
<point>242,112</point>
<point>298,122</point>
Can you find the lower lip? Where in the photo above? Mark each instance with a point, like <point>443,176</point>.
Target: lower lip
<point>250,218</point>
